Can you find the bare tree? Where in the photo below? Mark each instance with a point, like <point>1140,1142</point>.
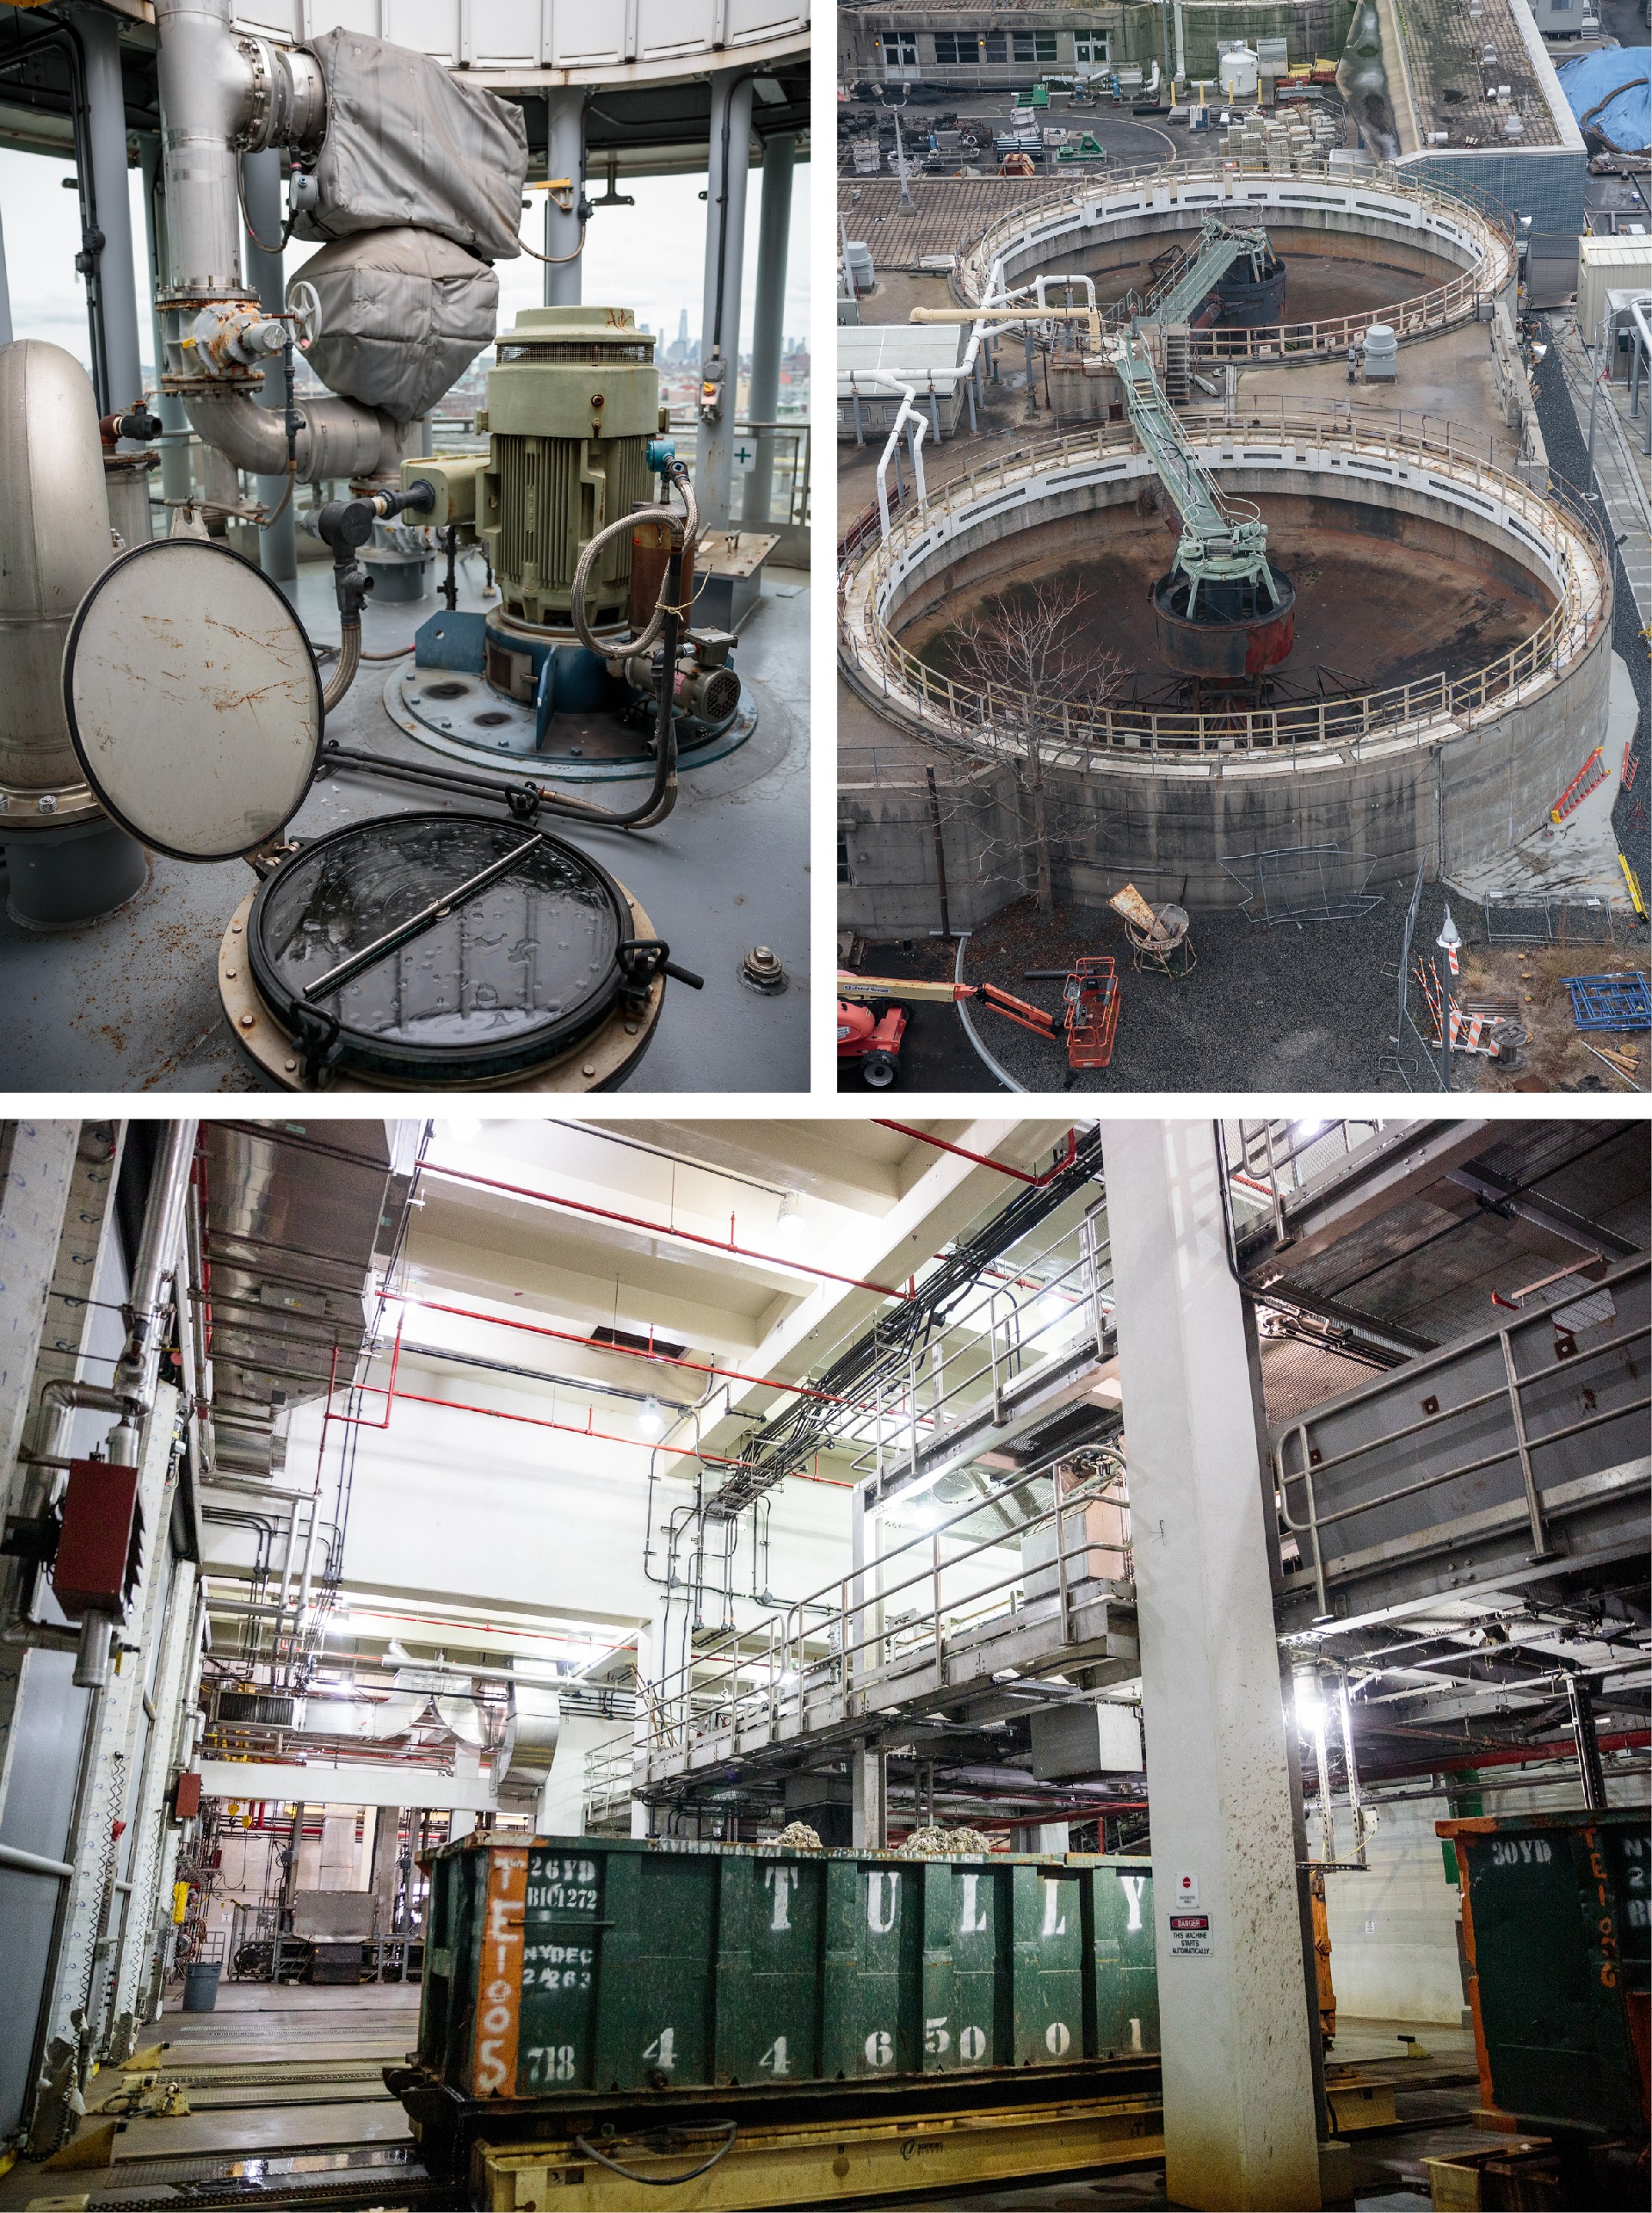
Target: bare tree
<point>1034,659</point>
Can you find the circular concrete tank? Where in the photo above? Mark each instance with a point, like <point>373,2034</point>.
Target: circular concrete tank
<point>1383,247</point>
<point>1480,688</point>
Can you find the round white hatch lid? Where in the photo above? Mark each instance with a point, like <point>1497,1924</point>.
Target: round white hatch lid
<point>192,699</point>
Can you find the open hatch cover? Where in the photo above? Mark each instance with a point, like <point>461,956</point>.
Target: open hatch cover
<point>193,699</point>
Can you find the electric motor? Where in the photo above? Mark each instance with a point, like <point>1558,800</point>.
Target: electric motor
<point>572,407</point>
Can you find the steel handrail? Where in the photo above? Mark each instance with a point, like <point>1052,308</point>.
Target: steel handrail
<point>679,1691</point>
<point>1509,1392</point>
<point>985,719</point>
<point>930,1416</point>
<point>1435,309</point>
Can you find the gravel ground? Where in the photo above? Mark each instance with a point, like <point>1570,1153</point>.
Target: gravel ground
<point>1300,1006</point>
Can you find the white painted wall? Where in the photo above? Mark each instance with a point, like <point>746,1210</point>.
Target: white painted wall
<point>1393,1929</point>
<point>459,1505</point>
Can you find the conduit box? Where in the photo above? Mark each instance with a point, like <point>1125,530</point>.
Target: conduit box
<point>99,1551</point>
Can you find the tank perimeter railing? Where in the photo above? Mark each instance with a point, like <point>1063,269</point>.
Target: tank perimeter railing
<point>979,264</point>
<point>998,723</point>
<point>891,1626</point>
<point>1498,1417</point>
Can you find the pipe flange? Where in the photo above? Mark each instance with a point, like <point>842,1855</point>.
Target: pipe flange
<point>253,134</point>
<point>22,811</point>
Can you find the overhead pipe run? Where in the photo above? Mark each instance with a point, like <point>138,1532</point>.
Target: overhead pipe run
<point>222,95</point>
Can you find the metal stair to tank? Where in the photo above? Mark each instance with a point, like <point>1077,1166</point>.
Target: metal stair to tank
<point>1187,275</point>
<point>1219,537</point>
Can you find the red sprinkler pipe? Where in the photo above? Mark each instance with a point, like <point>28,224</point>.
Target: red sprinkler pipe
<point>631,1352</point>
<point>980,1160</point>
<point>660,1229</point>
<point>573,1429</point>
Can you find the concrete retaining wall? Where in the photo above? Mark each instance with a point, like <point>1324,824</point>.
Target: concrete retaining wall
<point>1451,799</point>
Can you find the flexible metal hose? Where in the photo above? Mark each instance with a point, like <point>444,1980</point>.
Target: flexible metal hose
<point>688,522</point>
<point>349,660</point>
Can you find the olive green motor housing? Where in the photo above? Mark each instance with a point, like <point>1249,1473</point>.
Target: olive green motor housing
<point>572,404</point>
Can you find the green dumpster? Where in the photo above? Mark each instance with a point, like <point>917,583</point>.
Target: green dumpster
<point>556,1968</point>
<point>1555,1934</point>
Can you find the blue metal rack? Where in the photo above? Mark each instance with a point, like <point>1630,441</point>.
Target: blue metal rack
<point>1610,1002</point>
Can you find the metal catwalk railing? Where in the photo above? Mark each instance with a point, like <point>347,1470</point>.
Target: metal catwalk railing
<point>994,720</point>
<point>1194,181</point>
<point>895,1625</point>
<point>1272,1162</point>
<point>1506,1399</point>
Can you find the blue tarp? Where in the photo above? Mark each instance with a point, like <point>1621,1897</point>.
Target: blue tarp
<point>1626,121</point>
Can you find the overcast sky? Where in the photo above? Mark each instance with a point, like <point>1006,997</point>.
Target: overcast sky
<point>649,257</point>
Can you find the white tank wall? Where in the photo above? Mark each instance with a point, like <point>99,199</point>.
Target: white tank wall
<point>507,38</point>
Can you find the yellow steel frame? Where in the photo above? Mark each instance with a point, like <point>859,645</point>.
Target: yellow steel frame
<point>825,2162</point>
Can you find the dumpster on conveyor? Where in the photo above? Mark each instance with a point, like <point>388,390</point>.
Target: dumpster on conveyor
<point>1555,1934</point>
<point>558,1967</point>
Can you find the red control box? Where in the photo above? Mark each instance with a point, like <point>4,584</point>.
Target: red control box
<point>186,1795</point>
<point>101,1548</point>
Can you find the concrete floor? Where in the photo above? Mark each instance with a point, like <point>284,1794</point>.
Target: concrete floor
<point>316,2131</point>
<point>131,1004</point>
<point>280,2079</point>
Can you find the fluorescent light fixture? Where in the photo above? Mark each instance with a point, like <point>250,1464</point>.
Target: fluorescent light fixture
<point>462,1129</point>
<point>1311,1706</point>
<point>1309,1129</point>
<point>1052,1308</point>
<point>650,1419</point>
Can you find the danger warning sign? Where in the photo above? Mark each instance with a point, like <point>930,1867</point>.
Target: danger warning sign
<point>1190,1936</point>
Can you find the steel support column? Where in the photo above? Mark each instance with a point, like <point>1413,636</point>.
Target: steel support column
<point>768,321</point>
<point>564,226</point>
<point>725,242</point>
<point>1239,2112</point>
<point>100,40</point>
<point>261,181</point>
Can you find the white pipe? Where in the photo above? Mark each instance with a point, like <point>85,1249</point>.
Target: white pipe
<point>206,86</point>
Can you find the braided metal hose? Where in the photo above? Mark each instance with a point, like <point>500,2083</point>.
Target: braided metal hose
<point>689,523</point>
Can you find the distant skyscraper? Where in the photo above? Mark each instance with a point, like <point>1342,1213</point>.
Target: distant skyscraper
<point>682,331</point>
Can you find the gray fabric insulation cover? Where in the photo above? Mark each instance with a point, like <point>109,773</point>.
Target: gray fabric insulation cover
<point>408,143</point>
<point>403,314</point>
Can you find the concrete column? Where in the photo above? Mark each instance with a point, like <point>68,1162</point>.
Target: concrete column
<point>385,1866</point>
<point>868,1800</point>
<point>116,282</point>
<point>1239,2116</point>
<point>278,545</point>
<point>176,480</point>
<point>719,328</point>
<point>768,321</point>
<point>5,292</point>
<point>564,155</point>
